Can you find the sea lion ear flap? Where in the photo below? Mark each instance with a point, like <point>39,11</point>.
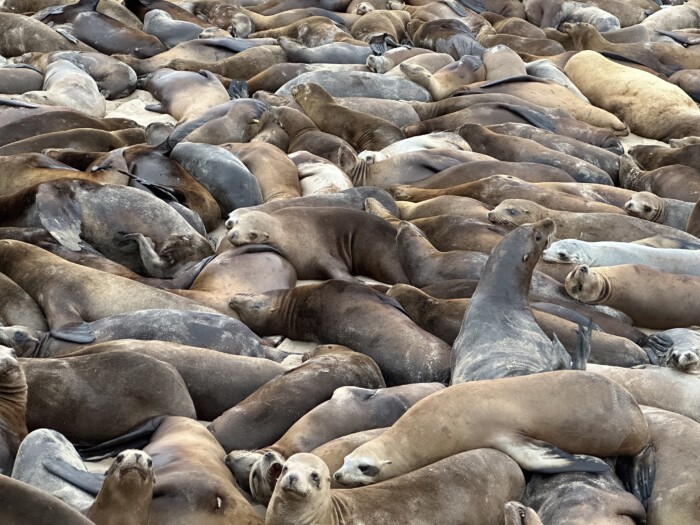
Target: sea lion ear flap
<point>60,213</point>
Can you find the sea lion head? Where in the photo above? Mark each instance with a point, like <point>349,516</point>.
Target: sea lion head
<point>379,64</point>
<point>518,514</point>
<point>568,251</point>
<point>309,91</point>
<point>515,212</point>
<point>685,357</point>
<point>132,467</point>
<point>645,205</point>
<point>24,341</point>
<point>240,463</point>
<point>9,366</point>
<point>264,475</point>
<point>360,469</point>
<point>540,235</point>
<point>255,227</point>
<point>363,8</point>
<point>304,476</point>
<point>585,285</point>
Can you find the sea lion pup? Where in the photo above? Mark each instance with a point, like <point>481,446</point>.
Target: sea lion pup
<point>71,301</point>
<point>582,498</point>
<point>518,149</point>
<point>658,386</point>
<point>670,182</point>
<point>22,503</point>
<point>335,242</point>
<point>495,189</point>
<point>127,491</point>
<point>350,410</point>
<point>530,425</point>
<point>585,226</point>
<point>443,318</point>
<point>103,395</point>
<point>304,495</point>
<point>672,115</point>
<point>675,495</point>
<point>379,329</point>
<point>13,408</point>
<point>361,130</point>
<point>499,336</point>
<point>266,414</point>
<point>184,94</point>
<point>650,207</point>
<point>618,287</point>
<point>127,225</point>
<point>604,253</point>
<point>677,348</point>
<point>444,81</point>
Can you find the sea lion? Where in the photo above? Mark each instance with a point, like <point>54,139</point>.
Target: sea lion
<point>584,226</point>
<point>22,502</point>
<point>533,437</point>
<point>79,212</point>
<point>304,489</point>
<point>172,32</point>
<point>473,171</point>
<point>351,409</point>
<point>267,84</point>
<point>127,490</point>
<point>13,408</point>
<point>494,189</point>
<point>202,329</point>
<point>183,94</point>
<point>650,207</point>
<point>518,149</point>
<point>657,386</point>
<point>554,14</point>
<point>276,173</point>
<point>83,139</point>
<point>67,313</point>
<point>215,380</point>
<point>670,182</point>
<point>583,497</point>
<point>444,81</point>
<point>123,379</point>
<point>677,348</point>
<point>444,36</point>
<point>22,34</point>
<point>319,176</point>
<point>443,318</point>
<point>326,231</point>
<point>16,79</point>
<point>443,205</point>
<point>615,253</point>
<point>266,414</point>
<point>674,498</point>
<point>616,286</point>
<point>360,130</point>
<point>333,452</point>
<point>404,352</point>
<point>672,116</point>
<point>650,157</point>
<point>513,344</point>
<point>539,46</point>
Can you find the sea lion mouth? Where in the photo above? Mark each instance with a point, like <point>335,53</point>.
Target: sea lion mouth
<point>142,472</point>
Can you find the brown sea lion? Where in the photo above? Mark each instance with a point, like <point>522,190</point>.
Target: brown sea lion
<point>343,235</point>
<point>13,408</point>
<point>83,139</point>
<point>671,182</point>
<point>404,353</point>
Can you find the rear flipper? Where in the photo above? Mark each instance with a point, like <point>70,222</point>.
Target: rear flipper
<point>238,89</point>
<point>657,347</point>
<point>583,349</point>
<point>539,456</point>
<point>138,437</point>
<point>637,473</point>
<point>380,44</point>
<point>90,482</point>
<point>79,332</point>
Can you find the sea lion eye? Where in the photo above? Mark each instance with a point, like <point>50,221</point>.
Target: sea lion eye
<point>284,469</point>
<point>510,211</point>
<point>149,462</point>
<point>646,208</point>
<point>314,476</point>
<point>562,256</point>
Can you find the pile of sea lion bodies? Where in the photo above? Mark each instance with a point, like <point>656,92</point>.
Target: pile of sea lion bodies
<point>342,262</point>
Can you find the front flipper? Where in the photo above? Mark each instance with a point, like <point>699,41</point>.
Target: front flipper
<point>155,108</point>
<point>60,213</point>
<point>152,262</point>
<point>539,456</point>
<point>657,347</point>
<point>17,103</point>
<point>79,332</point>
<point>65,34</point>
<point>535,118</point>
<point>90,482</point>
<point>583,349</point>
<point>137,438</point>
<point>238,89</point>
<point>637,473</point>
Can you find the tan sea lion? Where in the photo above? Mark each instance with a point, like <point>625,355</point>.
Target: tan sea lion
<point>650,207</point>
<point>618,286</point>
<point>531,425</point>
<point>304,492</point>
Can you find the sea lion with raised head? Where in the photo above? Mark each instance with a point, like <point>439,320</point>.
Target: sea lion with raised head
<point>671,182</point>
<point>13,408</point>
<point>511,342</point>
